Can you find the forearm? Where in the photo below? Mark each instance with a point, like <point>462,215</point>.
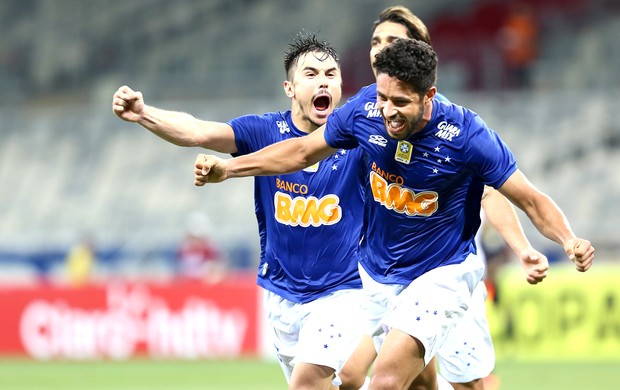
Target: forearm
<point>283,157</point>
<point>502,216</point>
<point>539,207</point>
<point>549,219</point>
<point>179,128</point>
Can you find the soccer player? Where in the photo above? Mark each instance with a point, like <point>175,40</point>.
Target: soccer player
<point>468,355</point>
<point>313,294</point>
<point>426,165</point>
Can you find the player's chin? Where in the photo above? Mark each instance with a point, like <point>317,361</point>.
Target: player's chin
<point>397,135</point>
<point>320,116</point>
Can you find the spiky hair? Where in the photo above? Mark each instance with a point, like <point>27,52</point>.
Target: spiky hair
<point>304,43</point>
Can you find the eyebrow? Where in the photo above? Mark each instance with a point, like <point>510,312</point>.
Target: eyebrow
<point>398,99</point>
<point>317,70</point>
<point>389,37</point>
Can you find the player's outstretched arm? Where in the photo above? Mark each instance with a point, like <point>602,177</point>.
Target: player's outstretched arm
<point>501,214</point>
<point>176,127</point>
<point>282,157</point>
<point>548,219</point>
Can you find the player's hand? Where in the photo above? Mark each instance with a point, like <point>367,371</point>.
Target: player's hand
<point>580,252</point>
<point>128,104</point>
<point>535,265</point>
<point>209,169</point>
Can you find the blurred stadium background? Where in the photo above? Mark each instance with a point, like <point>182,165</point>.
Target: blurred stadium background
<point>71,172</point>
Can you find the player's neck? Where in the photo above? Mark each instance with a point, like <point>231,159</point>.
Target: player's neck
<point>303,123</point>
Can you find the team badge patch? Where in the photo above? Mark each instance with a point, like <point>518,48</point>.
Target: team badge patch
<point>312,168</point>
<point>403,152</point>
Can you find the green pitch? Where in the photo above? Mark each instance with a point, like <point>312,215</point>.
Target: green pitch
<point>139,374</point>
<point>251,374</point>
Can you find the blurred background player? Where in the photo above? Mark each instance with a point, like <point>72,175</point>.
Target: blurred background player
<point>313,291</point>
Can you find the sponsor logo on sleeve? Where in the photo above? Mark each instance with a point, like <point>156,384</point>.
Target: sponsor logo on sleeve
<point>447,131</point>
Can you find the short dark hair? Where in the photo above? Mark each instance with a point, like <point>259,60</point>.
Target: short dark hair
<point>416,29</point>
<point>411,61</point>
<point>304,43</point>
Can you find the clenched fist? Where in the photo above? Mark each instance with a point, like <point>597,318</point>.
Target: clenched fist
<point>128,104</point>
<point>580,252</point>
<point>209,169</point>
<point>535,265</point>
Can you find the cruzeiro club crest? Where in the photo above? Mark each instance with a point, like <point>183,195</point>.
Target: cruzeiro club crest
<point>403,152</point>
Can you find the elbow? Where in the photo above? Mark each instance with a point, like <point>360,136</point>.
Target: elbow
<point>304,161</point>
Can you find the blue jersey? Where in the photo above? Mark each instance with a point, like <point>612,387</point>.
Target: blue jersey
<point>309,221</point>
<point>422,207</point>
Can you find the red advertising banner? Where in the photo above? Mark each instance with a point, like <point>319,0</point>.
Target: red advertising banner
<point>120,320</point>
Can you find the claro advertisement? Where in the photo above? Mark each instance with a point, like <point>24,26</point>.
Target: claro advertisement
<point>570,316</point>
<point>121,320</point>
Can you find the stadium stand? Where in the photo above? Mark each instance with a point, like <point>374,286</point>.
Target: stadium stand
<point>69,166</point>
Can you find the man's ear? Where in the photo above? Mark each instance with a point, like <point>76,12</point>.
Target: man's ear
<point>288,88</point>
<point>430,94</point>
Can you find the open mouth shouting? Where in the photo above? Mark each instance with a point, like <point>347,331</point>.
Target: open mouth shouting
<point>396,127</point>
<point>321,104</point>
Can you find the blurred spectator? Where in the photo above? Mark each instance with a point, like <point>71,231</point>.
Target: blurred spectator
<point>198,258</point>
<point>80,262</point>
<point>518,38</point>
